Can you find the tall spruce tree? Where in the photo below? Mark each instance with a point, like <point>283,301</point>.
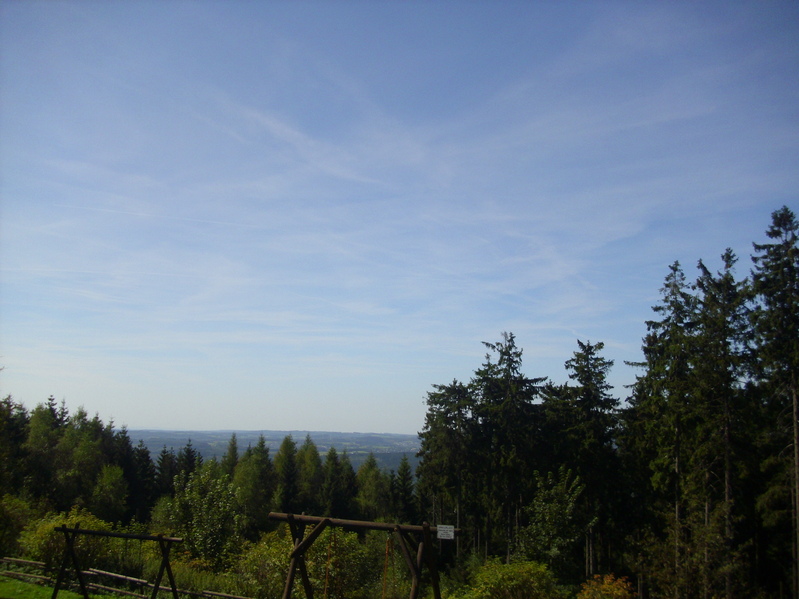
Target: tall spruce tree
<point>592,433</point>
<point>374,493</point>
<point>143,489</point>
<point>663,401</point>
<point>506,435</point>
<point>333,491</point>
<point>13,432</point>
<point>255,482</point>
<point>285,499</point>
<point>446,464</point>
<point>404,497</point>
<point>309,477</point>
<point>188,460</point>
<point>724,447</point>
<point>166,471</point>
<point>775,279</point>
<point>231,457</point>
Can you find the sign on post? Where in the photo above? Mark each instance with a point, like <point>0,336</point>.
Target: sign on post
<point>445,531</point>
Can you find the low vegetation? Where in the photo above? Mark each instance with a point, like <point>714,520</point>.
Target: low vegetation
<point>689,489</point>
<point>17,589</point>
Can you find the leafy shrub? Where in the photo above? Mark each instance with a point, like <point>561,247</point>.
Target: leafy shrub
<point>15,514</point>
<point>262,567</point>
<point>607,587</point>
<point>339,565</point>
<point>41,542</point>
<point>519,580</point>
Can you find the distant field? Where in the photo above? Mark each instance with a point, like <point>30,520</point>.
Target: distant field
<point>388,448</point>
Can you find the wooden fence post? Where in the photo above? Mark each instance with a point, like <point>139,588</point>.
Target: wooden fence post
<point>165,546</point>
<point>69,554</point>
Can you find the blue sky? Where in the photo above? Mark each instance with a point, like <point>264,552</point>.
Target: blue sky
<point>301,215</point>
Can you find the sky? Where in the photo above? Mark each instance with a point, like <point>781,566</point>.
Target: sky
<point>303,215</point>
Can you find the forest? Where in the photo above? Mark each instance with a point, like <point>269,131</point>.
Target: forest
<point>686,487</point>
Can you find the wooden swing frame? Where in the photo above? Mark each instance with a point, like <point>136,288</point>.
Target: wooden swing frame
<point>406,535</point>
<point>70,534</point>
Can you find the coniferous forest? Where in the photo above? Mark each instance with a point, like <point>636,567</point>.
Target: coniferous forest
<point>687,483</point>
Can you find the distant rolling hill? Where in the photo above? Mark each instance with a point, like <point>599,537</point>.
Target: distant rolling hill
<point>388,448</point>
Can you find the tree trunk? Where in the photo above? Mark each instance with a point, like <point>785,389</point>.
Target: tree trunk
<point>706,568</point>
<point>677,527</point>
<point>728,495</point>
<point>796,483</point>
<point>458,524</point>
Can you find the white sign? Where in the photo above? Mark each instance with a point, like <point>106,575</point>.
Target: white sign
<point>445,531</point>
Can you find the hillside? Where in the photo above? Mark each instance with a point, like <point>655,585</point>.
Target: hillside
<point>387,447</point>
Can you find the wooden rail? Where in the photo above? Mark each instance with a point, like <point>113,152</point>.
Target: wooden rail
<point>24,575</point>
<point>95,586</point>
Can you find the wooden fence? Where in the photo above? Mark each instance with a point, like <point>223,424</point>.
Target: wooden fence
<point>20,569</point>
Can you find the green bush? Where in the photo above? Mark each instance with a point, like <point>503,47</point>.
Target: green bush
<point>15,514</point>
<point>262,567</point>
<point>518,580</point>
<point>339,565</point>
<point>41,542</point>
<point>607,587</point>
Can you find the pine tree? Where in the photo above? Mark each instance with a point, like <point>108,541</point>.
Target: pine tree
<point>231,457</point>
<point>374,493</point>
<point>166,471</point>
<point>506,433</point>
<point>663,402</point>
<point>446,464</point>
<point>404,497</point>
<point>255,482</point>
<point>350,483</point>
<point>286,492</point>
<point>13,432</point>
<point>188,460</point>
<point>721,448</point>
<point>338,485</point>
<point>592,433</point>
<point>776,322</point>
<point>143,487</point>
<point>309,477</point>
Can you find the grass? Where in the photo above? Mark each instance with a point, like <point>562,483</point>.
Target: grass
<point>16,589</point>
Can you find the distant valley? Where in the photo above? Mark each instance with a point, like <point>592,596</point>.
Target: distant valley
<point>387,447</point>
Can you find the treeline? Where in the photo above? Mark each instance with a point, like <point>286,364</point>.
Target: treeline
<point>54,461</point>
<point>690,486</point>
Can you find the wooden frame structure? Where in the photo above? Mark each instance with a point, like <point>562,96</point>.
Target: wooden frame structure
<point>70,534</point>
<point>404,534</point>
